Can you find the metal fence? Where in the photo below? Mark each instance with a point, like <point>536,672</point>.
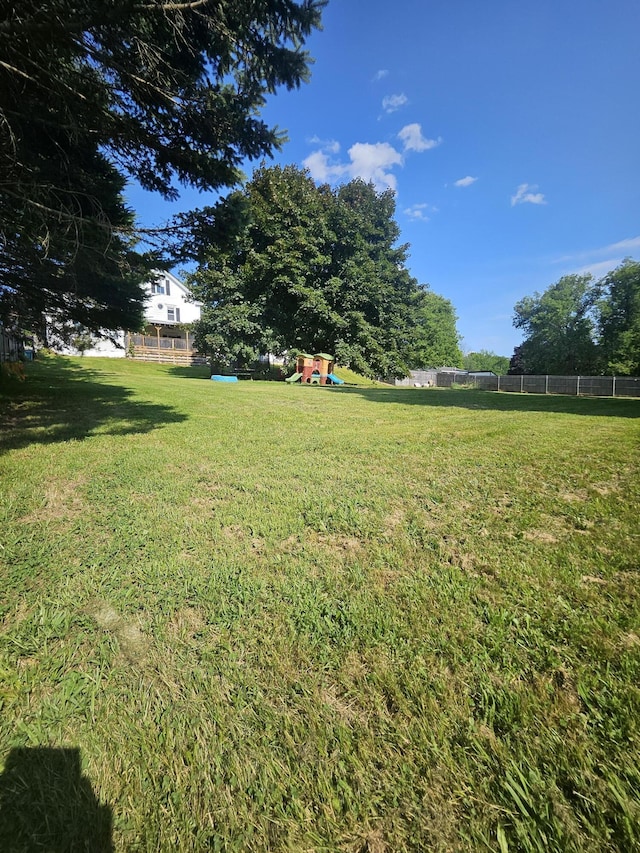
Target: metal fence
<point>581,386</point>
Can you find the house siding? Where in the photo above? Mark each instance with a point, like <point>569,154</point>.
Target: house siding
<point>164,296</point>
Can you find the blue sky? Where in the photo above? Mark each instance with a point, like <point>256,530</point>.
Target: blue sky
<point>509,129</point>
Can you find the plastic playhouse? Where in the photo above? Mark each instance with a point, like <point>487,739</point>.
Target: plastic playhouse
<point>315,370</point>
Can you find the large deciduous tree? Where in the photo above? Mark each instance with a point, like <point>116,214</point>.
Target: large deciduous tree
<point>619,319</point>
<point>559,328</point>
<point>293,266</point>
<point>435,337</point>
<point>371,287</point>
<point>92,91</point>
<point>578,326</point>
<point>260,272</point>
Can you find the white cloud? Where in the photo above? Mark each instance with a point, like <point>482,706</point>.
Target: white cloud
<point>465,182</point>
<point>321,169</point>
<point>418,212</point>
<point>599,269</point>
<point>591,262</point>
<point>330,145</point>
<point>413,140</point>
<point>622,245</point>
<point>371,162</point>
<point>391,103</point>
<point>380,75</point>
<point>525,194</point>
<point>368,161</point>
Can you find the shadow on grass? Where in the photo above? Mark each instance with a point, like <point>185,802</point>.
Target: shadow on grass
<point>47,804</point>
<point>499,401</point>
<point>197,371</point>
<point>61,401</point>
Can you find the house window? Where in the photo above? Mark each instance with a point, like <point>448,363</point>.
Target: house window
<point>173,315</point>
<point>156,287</point>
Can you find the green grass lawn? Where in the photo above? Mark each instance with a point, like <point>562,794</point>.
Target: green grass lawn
<point>262,617</point>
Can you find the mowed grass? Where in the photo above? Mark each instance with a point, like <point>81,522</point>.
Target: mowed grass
<point>275,618</point>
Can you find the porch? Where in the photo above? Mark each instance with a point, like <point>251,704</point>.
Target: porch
<point>164,344</point>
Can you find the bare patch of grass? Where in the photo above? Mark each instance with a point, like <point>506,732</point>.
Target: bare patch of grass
<point>60,499</point>
<point>630,640</point>
<point>545,537</point>
<point>186,623</point>
<point>133,643</point>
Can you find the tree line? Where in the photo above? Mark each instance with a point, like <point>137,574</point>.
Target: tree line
<point>582,326</point>
<point>285,266</point>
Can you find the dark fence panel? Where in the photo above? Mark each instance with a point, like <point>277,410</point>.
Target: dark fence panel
<point>582,386</point>
<point>627,386</point>
<point>510,383</point>
<point>562,385</point>
<point>446,380</point>
<point>534,384</point>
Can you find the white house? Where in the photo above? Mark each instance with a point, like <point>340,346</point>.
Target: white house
<point>166,336</point>
<point>168,303</point>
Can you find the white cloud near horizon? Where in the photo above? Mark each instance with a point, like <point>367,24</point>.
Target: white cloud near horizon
<point>465,182</point>
<point>321,169</point>
<point>598,269</point>
<point>380,75</point>
<point>391,103</point>
<point>526,194</point>
<point>628,244</point>
<point>591,262</point>
<point>413,140</point>
<point>622,245</point>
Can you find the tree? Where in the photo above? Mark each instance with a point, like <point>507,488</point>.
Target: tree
<point>94,90</point>
<point>516,362</point>
<point>486,360</point>
<point>292,266</point>
<point>81,272</point>
<point>260,274</point>
<point>373,292</point>
<point>559,328</point>
<point>436,340</point>
<point>619,319</point>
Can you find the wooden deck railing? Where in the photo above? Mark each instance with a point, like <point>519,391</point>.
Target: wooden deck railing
<point>163,350</point>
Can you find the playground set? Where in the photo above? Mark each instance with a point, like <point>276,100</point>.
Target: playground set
<point>315,370</point>
<point>310,370</point>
